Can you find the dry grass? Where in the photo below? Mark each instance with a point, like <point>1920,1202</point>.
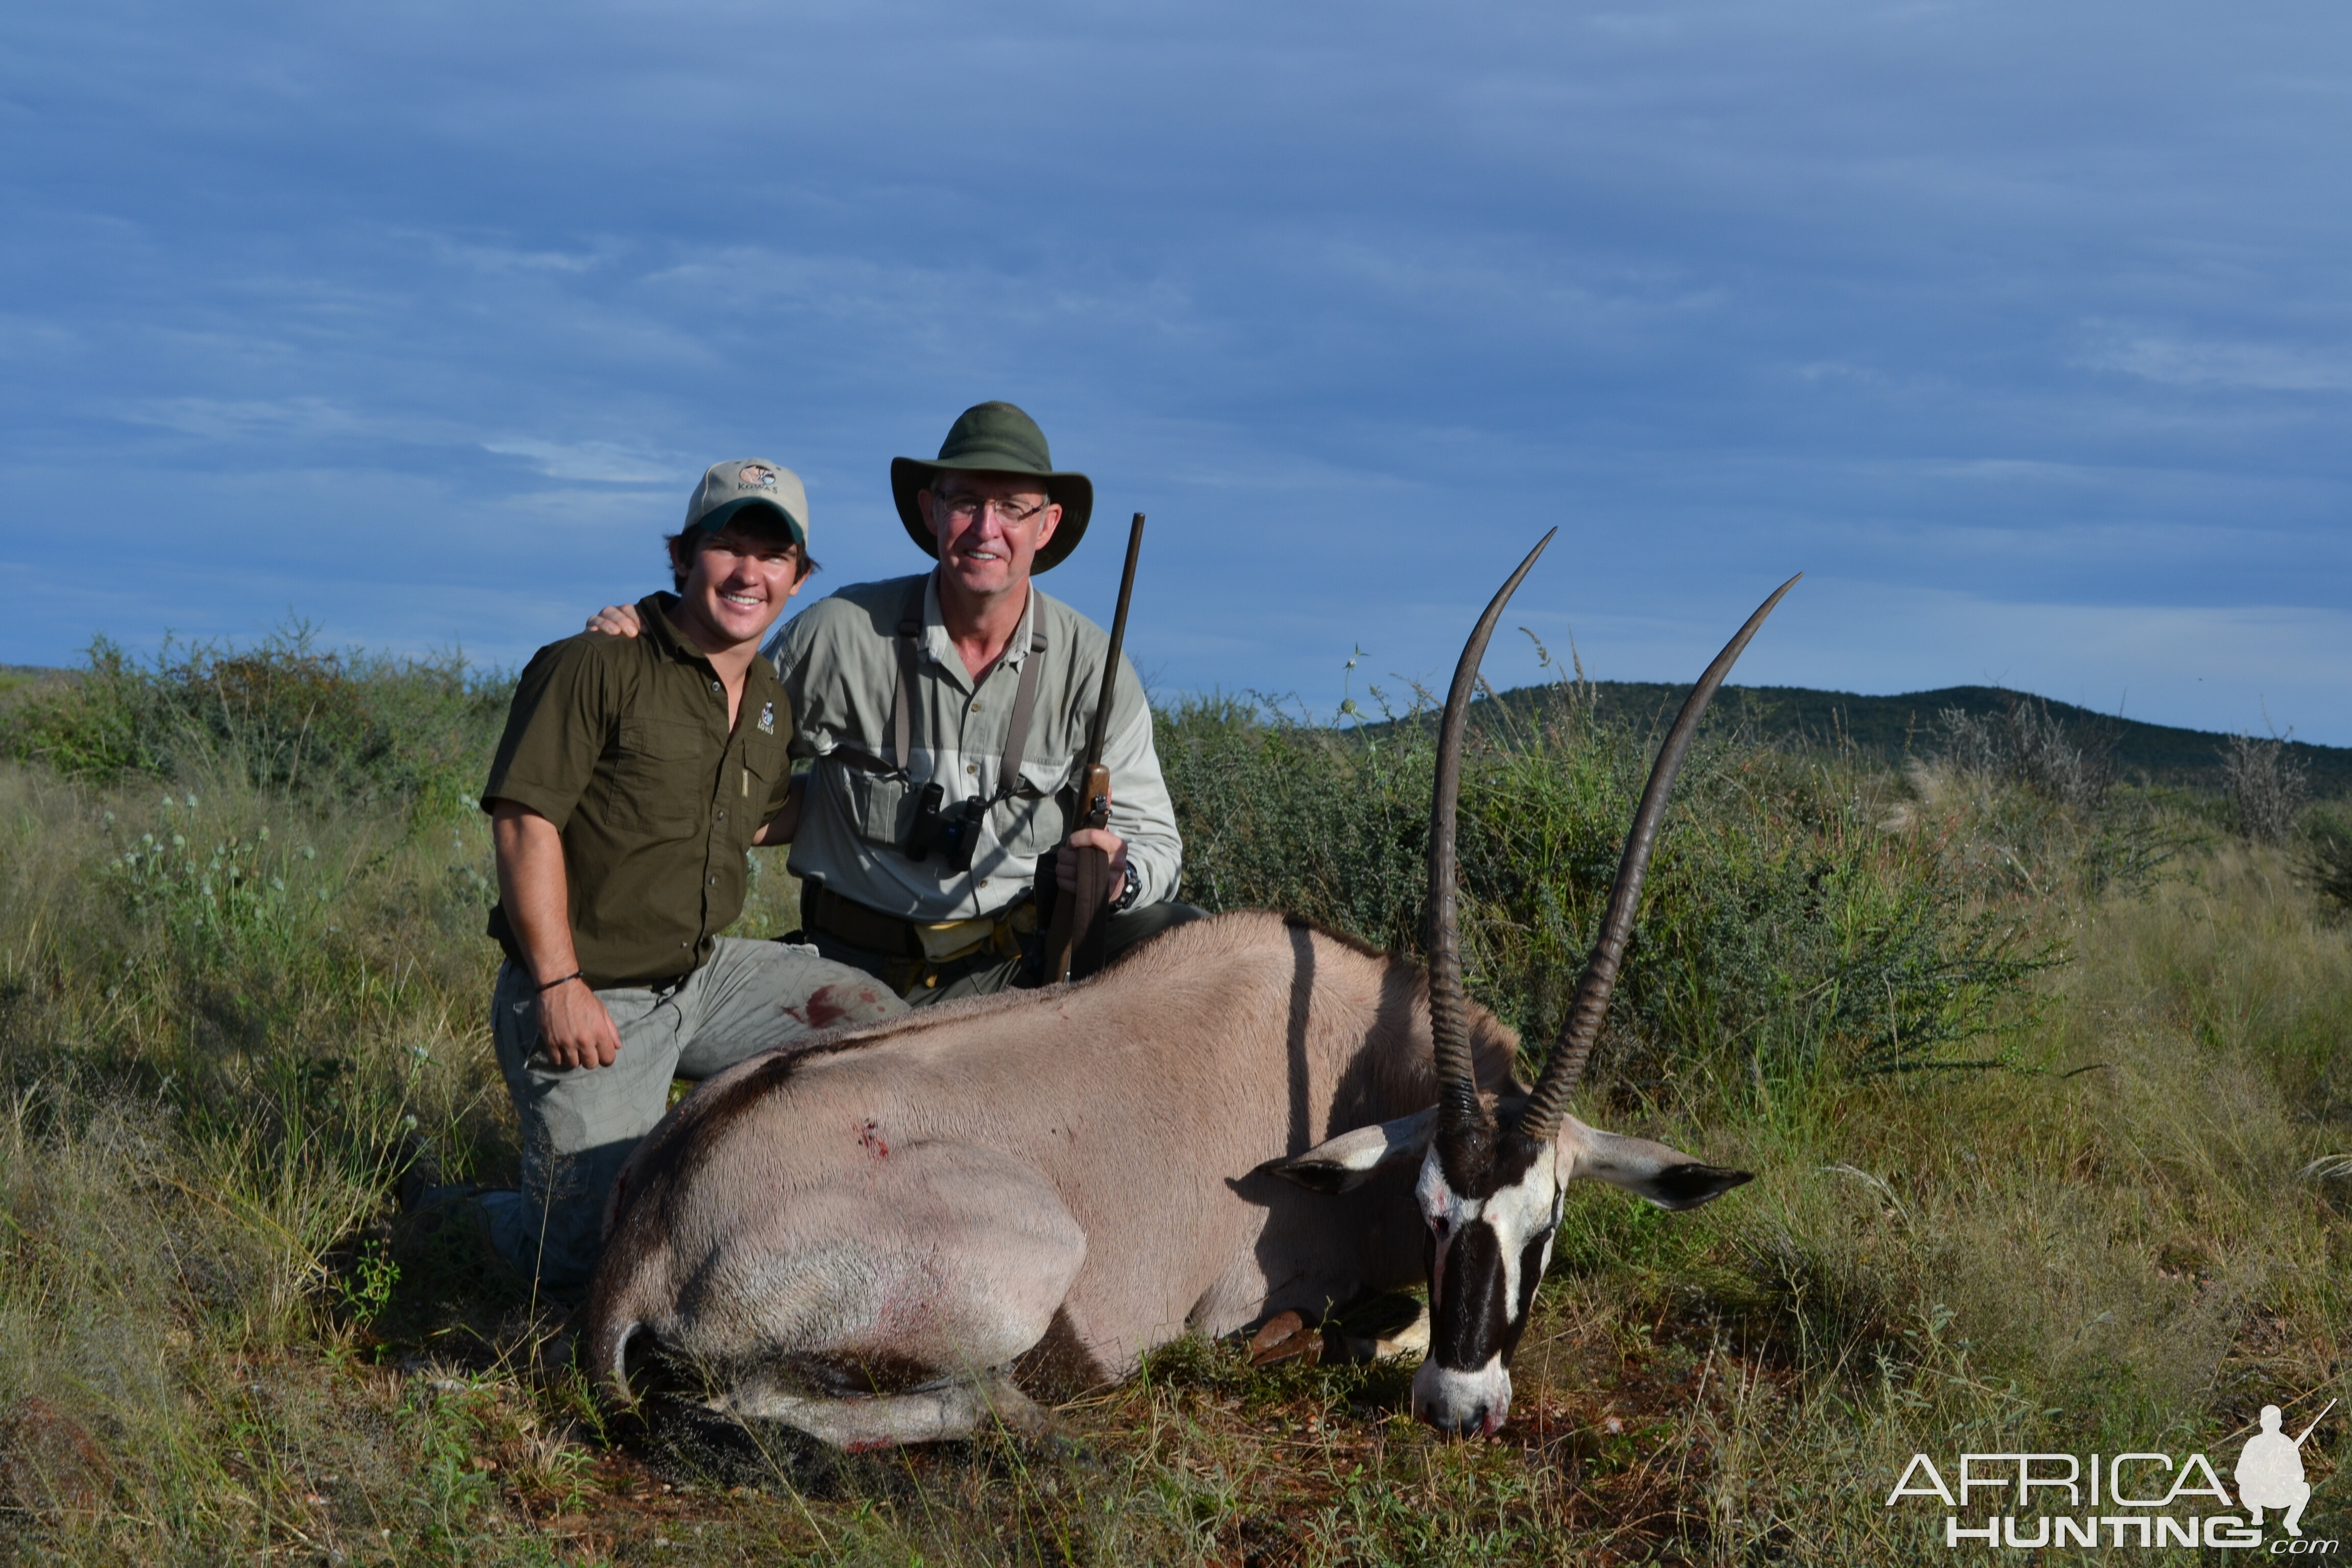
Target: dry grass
<point>217,1343</point>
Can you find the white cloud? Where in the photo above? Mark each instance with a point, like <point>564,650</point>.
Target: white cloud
<point>501,259</point>
<point>252,418</point>
<point>2248,366</point>
<point>601,462</point>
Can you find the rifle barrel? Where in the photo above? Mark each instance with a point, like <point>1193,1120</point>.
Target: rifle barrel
<point>1097,735</point>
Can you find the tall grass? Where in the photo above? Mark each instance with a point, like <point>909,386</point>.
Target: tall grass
<point>228,986</point>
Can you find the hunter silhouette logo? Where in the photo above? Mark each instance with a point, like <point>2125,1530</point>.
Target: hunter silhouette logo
<point>2141,1498</point>
<point>2270,1471</point>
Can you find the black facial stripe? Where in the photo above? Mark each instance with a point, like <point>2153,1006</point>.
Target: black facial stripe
<point>1532,1258</point>
<point>1468,1318</point>
<point>1466,1157</point>
<point>1513,1157</point>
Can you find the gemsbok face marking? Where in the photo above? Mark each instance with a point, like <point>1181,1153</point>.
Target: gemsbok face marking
<point>1076,1175</point>
<point>1487,1254</point>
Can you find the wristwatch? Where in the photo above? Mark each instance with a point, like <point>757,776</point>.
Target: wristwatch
<point>1134,888</point>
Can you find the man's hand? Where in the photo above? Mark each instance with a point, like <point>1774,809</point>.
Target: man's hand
<point>615,621</point>
<point>575,1030</point>
<point>1065,867</point>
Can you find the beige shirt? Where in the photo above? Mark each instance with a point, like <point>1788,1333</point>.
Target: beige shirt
<point>838,661</point>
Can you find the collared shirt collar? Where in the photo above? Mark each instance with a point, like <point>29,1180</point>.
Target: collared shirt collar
<point>940,650</point>
<point>653,613</point>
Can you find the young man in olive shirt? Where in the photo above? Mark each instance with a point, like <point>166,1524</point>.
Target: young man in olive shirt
<point>633,777</point>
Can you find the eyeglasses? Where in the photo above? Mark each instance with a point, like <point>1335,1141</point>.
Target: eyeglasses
<point>964,508</point>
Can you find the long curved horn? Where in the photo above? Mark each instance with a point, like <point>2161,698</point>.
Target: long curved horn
<point>1449,1024</point>
<point>1545,1107</point>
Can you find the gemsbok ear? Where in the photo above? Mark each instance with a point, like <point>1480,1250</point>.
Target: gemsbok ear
<point>1346,1163</point>
<point>1668,1177</point>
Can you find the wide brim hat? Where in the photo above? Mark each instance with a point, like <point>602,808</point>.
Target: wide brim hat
<point>996,439</point>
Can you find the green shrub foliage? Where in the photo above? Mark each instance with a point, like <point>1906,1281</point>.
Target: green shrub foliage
<point>2326,859</point>
<point>282,714</point>
<point>1784,926</point>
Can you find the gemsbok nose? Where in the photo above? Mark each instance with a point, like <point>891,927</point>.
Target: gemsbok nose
<point>1470,1423</point>
<point>1463,1402</point>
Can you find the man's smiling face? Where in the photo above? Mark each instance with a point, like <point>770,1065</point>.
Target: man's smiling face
<point>741,579</point>
<point>989,528</point>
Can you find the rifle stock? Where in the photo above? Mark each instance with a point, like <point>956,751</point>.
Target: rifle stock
<point>1081,919</point>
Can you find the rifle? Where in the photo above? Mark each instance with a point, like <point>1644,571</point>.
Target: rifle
<point>1074,940</point>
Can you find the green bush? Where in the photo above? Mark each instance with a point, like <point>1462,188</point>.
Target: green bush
<point>1783,928</point>
<point>281,714</point>
<point>2325,860</point>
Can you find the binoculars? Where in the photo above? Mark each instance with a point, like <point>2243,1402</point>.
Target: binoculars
<point>954,832</point>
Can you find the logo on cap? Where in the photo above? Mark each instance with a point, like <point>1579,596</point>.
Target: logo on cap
<point>756,474</point>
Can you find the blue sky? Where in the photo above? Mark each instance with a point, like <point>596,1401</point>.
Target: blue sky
<point>2023,329</point>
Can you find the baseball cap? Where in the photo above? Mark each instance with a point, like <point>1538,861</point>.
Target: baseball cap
<point>728,488</point>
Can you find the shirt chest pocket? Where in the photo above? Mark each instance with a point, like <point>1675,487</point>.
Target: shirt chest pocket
<point>764,761</point>
<point>878,807</point>
<point>662,773</point>
<point>1032,822</point>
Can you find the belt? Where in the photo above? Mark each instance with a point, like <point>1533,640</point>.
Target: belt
<point>933,942</point>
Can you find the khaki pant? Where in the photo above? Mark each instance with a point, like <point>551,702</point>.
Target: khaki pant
<point>579,1124</point>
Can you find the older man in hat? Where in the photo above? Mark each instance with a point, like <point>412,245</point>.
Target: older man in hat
<point>944,716</point>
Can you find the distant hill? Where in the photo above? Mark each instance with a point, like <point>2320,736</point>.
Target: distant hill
<point>1893,727</point>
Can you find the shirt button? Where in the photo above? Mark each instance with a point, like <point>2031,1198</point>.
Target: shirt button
<point>714,686</point>
<point>971,768</point>
<point>975,707</point>
<point>722,816</point>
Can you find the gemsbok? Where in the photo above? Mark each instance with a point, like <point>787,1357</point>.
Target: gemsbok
<point>895,1234</point>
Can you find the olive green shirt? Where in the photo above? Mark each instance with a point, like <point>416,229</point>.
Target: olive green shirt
<point>623,743</point>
